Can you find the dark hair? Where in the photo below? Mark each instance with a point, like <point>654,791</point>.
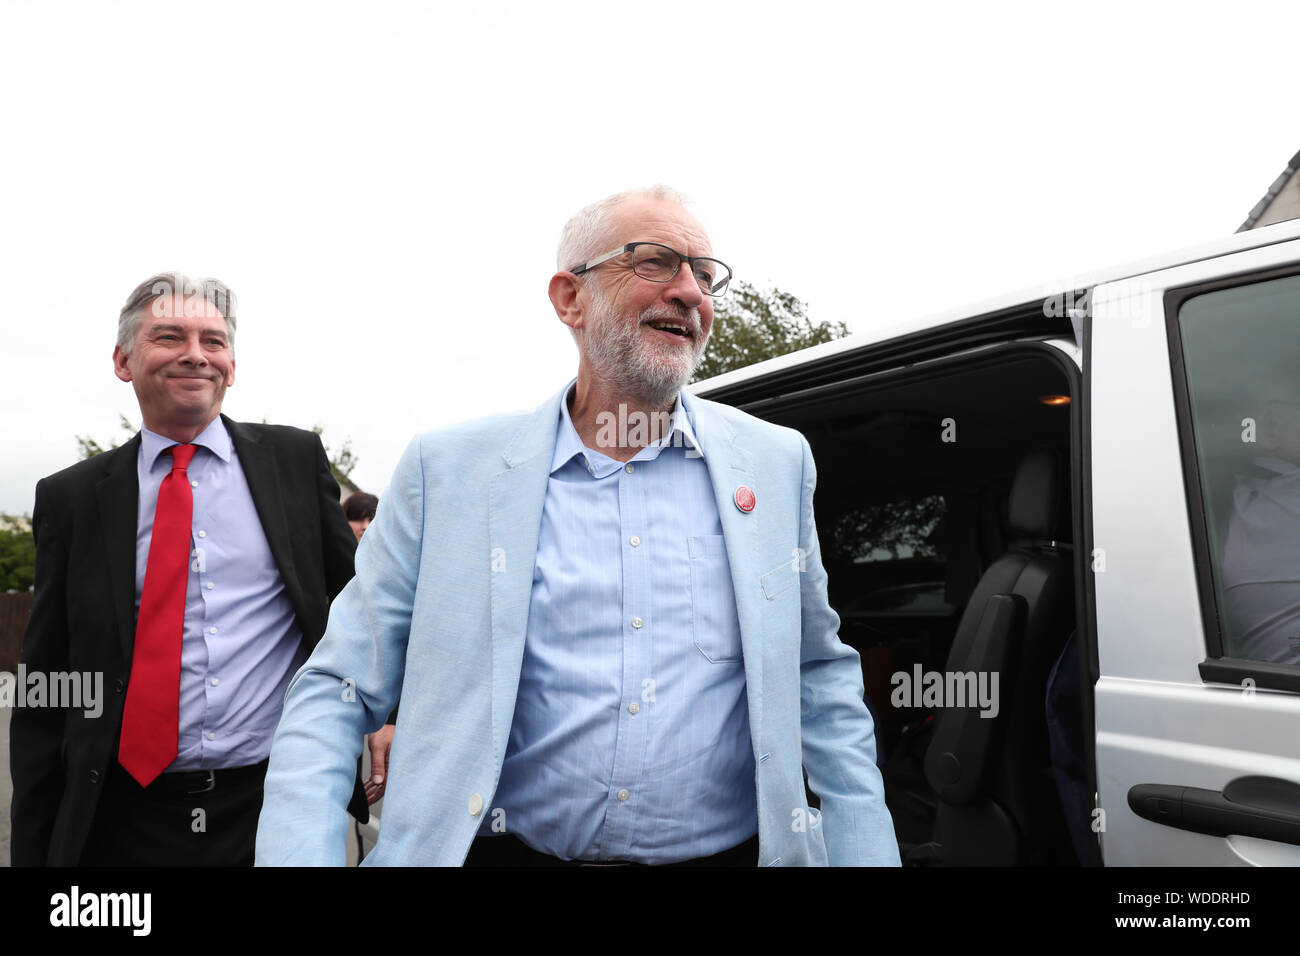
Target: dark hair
<point>360,506</point>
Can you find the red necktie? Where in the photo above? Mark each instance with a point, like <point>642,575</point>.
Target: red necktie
<point>152,714</point>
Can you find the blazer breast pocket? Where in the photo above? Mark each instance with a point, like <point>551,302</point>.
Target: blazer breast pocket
<point>780,579</point>
<point>713,600</point>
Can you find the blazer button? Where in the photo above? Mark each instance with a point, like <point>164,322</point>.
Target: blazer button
<point>475,805</point>
<point>94,776</point>
<point>119,686</point>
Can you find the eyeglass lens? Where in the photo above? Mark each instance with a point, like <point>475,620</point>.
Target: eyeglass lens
<point>659,264</point>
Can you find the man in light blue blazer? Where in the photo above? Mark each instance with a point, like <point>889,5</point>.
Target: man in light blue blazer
<point>606,618</point>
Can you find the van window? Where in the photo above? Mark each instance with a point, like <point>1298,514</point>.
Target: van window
<point>892,531</point>
<point>1241,358</point>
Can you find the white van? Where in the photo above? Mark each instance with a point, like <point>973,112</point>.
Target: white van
<point>1090,493</point>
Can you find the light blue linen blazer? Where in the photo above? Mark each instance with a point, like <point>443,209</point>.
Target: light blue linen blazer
<point>437,612</point>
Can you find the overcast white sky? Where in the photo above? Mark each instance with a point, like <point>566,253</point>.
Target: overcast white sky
<point>383,183</point>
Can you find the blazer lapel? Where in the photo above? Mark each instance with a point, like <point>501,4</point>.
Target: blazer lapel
<point>729,468</point>
<point>258,460</point>
<point>517,496</point>
<point>118,496</point>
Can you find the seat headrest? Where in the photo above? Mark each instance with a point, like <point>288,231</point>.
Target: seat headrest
<point>1037,497</point>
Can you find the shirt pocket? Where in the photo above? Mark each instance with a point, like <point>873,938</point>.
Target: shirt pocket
<point>713,600</point>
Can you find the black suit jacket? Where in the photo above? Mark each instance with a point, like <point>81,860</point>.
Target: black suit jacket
<point>83,614</point>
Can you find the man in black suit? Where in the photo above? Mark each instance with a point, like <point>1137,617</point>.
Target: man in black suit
<point>193,569</point>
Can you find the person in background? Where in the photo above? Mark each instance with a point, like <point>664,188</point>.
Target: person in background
<point>360,511</point>
<point>1261,549</point>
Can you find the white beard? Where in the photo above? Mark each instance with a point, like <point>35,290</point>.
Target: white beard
<point>622,357</point>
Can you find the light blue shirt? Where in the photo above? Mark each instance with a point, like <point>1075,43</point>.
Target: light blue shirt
<point>241,643</point>
<point>630,737</point>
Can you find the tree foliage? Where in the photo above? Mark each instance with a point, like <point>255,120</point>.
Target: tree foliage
<point>87,447</point>
<point>750,325</point>
<point>17,553</point>
<point>343,461</point>
<point>913,528</point>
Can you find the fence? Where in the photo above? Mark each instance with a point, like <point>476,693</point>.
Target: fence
<point>14,611</point>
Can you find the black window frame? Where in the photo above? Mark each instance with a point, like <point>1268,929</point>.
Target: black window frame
<point>1216,668</point>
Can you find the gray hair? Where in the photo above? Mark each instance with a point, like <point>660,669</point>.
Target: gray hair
<point>173,284</point>
<point>587,233</point>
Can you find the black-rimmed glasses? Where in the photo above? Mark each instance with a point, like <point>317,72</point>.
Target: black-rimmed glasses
<point>659,263</point>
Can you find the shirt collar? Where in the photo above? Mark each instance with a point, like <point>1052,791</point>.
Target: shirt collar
<point>214,438</point>
<point>568,443</point>
<point>683,415</point>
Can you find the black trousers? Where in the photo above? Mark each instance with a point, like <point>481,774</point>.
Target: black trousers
<point>508,850</point>
<point>198,818</point>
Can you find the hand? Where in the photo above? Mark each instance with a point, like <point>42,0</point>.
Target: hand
<point>380,743</point>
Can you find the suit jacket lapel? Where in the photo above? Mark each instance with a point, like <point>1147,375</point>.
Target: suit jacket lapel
<point>118,495</point>
<point>517,496</point>
<point>261,471</point>
<point>729,468</point>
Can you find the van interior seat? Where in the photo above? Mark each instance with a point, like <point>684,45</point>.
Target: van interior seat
<point>997,803</point>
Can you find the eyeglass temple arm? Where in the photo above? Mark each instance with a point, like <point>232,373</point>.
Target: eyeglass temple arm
<point>578,270</point>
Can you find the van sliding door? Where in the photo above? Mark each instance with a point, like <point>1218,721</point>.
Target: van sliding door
<point>1195,487</point>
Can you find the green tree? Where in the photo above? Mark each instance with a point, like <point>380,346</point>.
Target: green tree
<point>750,325</point>
<point>87,447</point>
<point>341,462</point>
<point>17,553</point>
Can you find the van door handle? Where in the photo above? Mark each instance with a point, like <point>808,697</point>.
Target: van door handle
<point>1263,807</point>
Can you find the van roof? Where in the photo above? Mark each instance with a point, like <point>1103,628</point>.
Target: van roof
<point>1008,303</point>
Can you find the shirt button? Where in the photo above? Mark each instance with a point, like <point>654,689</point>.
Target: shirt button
<point>629,468</point>
<point>637,622</point>
<point>623,794</point>
<point>212,630</point>
<point>210,585</point>
<point>635,541</point>
<point>216,681</point>
<point>634,708</point>
<point>211,735</point>
<point>475,804</point>
<point>203,534</point>
<point>194,483</point>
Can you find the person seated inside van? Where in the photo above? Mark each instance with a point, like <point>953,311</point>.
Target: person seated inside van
<point>1261,551</point>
